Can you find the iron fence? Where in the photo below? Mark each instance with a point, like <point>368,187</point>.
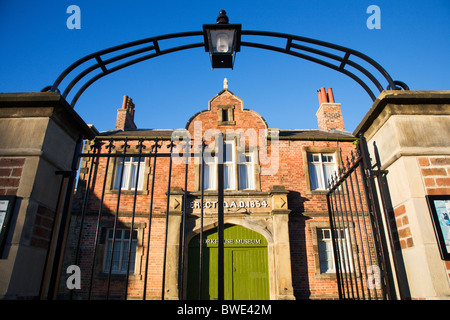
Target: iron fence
<point>111,227</point>
<point>359,234</point>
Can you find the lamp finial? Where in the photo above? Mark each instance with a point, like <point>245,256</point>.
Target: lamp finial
<point>222,18</point>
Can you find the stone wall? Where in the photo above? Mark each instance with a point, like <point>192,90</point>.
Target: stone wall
<point>408,134</point>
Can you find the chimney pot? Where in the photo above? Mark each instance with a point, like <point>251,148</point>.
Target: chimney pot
<point>330,95</point>
<point>322,96</point>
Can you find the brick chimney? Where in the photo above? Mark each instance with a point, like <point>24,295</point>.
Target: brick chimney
<point>125,115</point>
<point>329,115</point>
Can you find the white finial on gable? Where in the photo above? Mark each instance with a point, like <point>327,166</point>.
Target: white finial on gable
<point>225,84</point>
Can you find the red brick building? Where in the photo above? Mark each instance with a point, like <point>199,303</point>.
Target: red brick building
<point>277,238</point>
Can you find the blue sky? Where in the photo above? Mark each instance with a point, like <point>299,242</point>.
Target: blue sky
<point>413,45</point>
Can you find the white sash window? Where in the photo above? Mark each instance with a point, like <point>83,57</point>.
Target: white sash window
<point>321,167</point>
<point>129,167</point>
<point>239,169</point>
<point>246,172</point>
<point>209,171</point>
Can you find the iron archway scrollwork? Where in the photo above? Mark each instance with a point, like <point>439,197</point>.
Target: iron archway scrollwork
<point>327,54</point>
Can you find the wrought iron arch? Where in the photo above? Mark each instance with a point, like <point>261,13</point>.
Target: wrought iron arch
<point>316,51</point>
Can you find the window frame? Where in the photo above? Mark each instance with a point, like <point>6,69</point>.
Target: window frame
<point>120,162</point>
<point>227,110</point>
<point>345,243</point>
<point>113,169</point>
<point>336,151</point>
<point>102,246</point>
<point>234,162</point>
<point>214,170</point>
<point>315,227</point>
<point>250,172</point>
<point>321,179</point>
<point>122,241</point>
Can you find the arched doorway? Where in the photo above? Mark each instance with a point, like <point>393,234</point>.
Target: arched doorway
<point>246,265</point>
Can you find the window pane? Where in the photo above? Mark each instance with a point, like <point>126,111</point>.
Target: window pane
<point>121,251</point>
<point>129,174</point>
<point>209,177</point>
<point>124,260</point>
<point>245,177</point>
<point>116,257</point>
<point>126,176</point>
<point>133,175</point>
<point>118,174</point>
<point>141,175</point>
<point>229,152</point>
<point>224,115</point>
<point>325,256</point>
<point>327,158</point>
<point>329,170</point>
<point>315,177</point>
<point>245,158</point>
<point>208,160</point>
<point>228,177</point>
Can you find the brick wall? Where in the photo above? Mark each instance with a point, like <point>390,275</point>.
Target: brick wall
<point>42,228</point>
<point>329,117</point>
<point>10,173</point>
<point>403,229</point>
<point>435,172</point>
<point>307,208</point>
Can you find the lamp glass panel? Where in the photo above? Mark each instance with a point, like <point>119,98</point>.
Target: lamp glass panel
<point>222,40</point>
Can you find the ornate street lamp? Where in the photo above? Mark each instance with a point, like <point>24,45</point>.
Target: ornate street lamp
<point>222,41</point>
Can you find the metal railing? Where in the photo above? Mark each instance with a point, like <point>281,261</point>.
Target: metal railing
<point>360,237</point>
<point>330,55</point>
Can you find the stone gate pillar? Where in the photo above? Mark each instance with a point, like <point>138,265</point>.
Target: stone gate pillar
<point>38,136</point>
<point>282,251</point>
<point>173,244</point>
<point>408,134</point>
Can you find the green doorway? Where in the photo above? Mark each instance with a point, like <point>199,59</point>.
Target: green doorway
<point>246,265</point>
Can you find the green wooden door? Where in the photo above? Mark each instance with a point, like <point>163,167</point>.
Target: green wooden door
<point>246,265</point>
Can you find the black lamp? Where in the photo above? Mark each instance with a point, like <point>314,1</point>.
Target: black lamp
<point>222,41</point>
